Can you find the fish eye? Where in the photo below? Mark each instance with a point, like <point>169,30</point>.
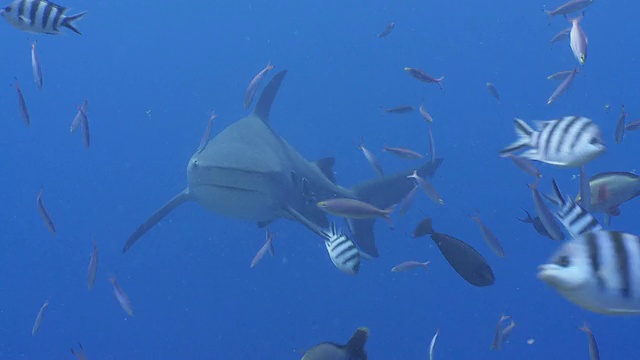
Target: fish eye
<point>594,140</point>
<point>8,8</point>
<point>564,261</point>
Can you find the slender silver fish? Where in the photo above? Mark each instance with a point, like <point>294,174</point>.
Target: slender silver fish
<point>561,36</point>
<point>22,105</point>
<point>35,66</point>
<point>632,125</point>
<point>433,344</point>
<point>620,127</point>
<point>428,189</point>
<point>82,112</point>
<point>93,265</point>
<point>39,318</point>
<point>419,74</point>
<point>267,247</point>
<point>497,336</point>
<point>86,134</point>
<point>425,114</point>
<point>122,297</point>
<point>578,40</point>
<point>44,214</point>
<point>493,91</point>
<point>354,209</point>
<point>400,109</point>
<point>402,153</point>
<point>560,75</point>
<point>489,236</point>
<point>568,8</point>
<point>387,30</point>
<point>432,146</point>
<point>207,134</point>
<point>506,332</point>
<point>594,354</point>
<point>373,161</point>
<point>546,217</point>
<point>410,265</point>
<point>408,201</point>
<point>563,87</point>
<point>254,84</point>
<point>525,165</point>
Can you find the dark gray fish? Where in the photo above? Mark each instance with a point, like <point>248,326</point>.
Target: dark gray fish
<point>594,354</point>
<point>493,91</point>
<point>401,109</point>
<point>632,125</point>
<point>22,105</point>
<point>620,126</point>
<point>561,36</point>
<point>86,134</point>
<point>463,258</point>
<point>423,228</point>
<point>254,85</point>
<point>44,214</point>
<point>563,87</point>
<point>40,17</point>
<point>537,225</point>
<point>352,350</point>
<point>387,30</point>
<point>419,74</point>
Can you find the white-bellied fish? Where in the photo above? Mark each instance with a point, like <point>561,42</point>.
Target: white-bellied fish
<point>489,237</point>
<point>387,30</point>
<point>372,159</point>
<point>568,8</point>
<point>22,105</point>
<point>267,247</point>
<point>561,36</point>
<point>410,265</point>
<point>620,127</point>
<point>573,217</point>
<point>561,75</point>
<point>35,66</point>
<point>563,86</point>
<point>121,296</point>
<point>578,40</point>
<point>92,271</point>
<point>594,353</point>
<point>39,318</point>
<point>44,214</point>
<point>546,217</point>
<point>525,165</point>
<point>569,142</point>
<point>432,345</point>
<point>254,85</point>
<point>82,113</point>
<point>598,271</point>
<point>40,17</point>
<point>402,153</point>
<point>207,133</point>
<point>352,350</point>
<point>428,189</point>
<point>419,74</point>
<point>493,91</point>
<point>425,114</point>
<point>343,252</point>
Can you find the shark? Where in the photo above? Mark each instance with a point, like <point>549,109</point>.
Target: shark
<point>248,172</point>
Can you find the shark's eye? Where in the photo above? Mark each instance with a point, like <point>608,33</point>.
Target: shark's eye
<point>564,261</point>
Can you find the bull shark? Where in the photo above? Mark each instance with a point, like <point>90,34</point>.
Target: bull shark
<point>249,172</point>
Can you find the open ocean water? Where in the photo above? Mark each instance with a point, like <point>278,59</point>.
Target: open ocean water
<point>153,72</point>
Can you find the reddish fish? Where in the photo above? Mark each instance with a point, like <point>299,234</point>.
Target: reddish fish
<point>22,104</point>
<point>93,265</point>
<point>594,354</point>
<point>122,297</point>
<point>267,247</point>
<point>207,134</point>
<point>419,74</point>
<point>632,125</point>
<point>493,91</point>
<point>428,189</point>
<point>497,337</point>
<point>44,214</point>
<point>402,152</point>
<point>254,84</point>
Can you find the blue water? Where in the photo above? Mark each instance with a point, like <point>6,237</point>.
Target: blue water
<point>153,72</point>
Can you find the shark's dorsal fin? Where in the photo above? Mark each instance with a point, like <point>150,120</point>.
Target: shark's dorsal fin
<point>263,107</point>
<point>326,166</point>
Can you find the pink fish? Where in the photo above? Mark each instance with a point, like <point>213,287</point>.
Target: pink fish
<point>254,84</point>
<point>267,247</point>
<point>207,134</point>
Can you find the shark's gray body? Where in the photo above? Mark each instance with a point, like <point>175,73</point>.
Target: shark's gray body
<point>248,172</point>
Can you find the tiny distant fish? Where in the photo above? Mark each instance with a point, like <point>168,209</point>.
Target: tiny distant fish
<point>493,91</point>
<point>343,252</point>
<point>93,265</point>
<point>122,297</point>
<point>489,236</point>
<point>563,87</point>
<point>525,165</point>
<point>561,36</point>
<point>497,335</point>
<point>387,30</point>
<point>86,134</point>
<point>632,125</point>
<point>254,84</point>
<point>44,214</point>
<point>560,75</point>
<point>373,161</point>
<point>568,8</point>
<point>267,247</point>
<point>578,40</point>
<point>39,318</point>
<point>546,217</point>
<point>425,114</point>
<point>419,74</point>
<point>401,109</point>
<point>22,105</point>
<point>40,17</point>
<point>82,113</point>
<point>35,66</point>
<point>428,189</point>
<point>569,142</point>
<point>408,201</point>
<point>506,332</point>
<point>432,147</point>
<point>354,209</point>
<point>206,135</point>
<point>80,354</point>
<point>620,127</point>
<point>573,217</point>
<point>410,265</point>
<point>537,225</point>
<point>402,153</point>
<point>432,345</point>
<point>594,354</point>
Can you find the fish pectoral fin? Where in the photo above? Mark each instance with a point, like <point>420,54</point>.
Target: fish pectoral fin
<point>326,166</point>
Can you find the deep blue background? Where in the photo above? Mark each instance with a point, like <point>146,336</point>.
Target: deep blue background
<point>189,279</point>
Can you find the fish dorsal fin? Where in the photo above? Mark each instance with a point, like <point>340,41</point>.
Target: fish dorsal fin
<point>355,346</point>
<point>263,107</point>
<point>326,166</point>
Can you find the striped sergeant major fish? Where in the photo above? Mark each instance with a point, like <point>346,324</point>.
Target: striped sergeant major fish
<point>40,17</point>
<point>573,217</point>
<point>569,142</point>
<point>599,271</point>
<point>343,252</point>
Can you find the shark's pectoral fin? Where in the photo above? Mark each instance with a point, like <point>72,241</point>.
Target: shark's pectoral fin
<point>156,217</point>
<point>326,166</point>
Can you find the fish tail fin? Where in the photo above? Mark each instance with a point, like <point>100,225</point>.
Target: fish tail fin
<point>69,21</point>
<point>524,133</point>
<point>177,200</point>
<point>556,197</point>
<point>439,81</point>
<point>383,193</point>
<point>527,219</point>
<point>355,346</point>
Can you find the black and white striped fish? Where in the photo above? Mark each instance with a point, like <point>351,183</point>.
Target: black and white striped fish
<point>571,141</point>
<point>573,217</point>
<point>40,16</point>
<point>343,252</point>
<point>599,271</point>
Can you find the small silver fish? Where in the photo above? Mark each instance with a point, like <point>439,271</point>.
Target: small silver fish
<point>22,105</point>
<point>86,134</point>
<point>493,91</point>
<point>432,147</point>
<point>620,127</point>
<point>82,112</point>
<point>425,114</point>
<point>432,345</point>
<point>419,74</point>
<point>594,354</point>
<point>387,30</point>
<point>568,8</point>
<point>254,84</point>
<point>578,40</point>
<point>560,75</point>
<point>267,247</point>
<point>545,215</point>
<point>93,265</point>
<point>402,153</point>
<point>408,201</point>
<point>410,265</point>
<point>563,87</point>
<point>121,296</point>
<point>428,189</point>
<point>354,209</point>
<point>497,336</point>
<point>35,66</point>
<point>207,134</point>
<point>632,125</point>
<point>44,214</point>
<point>38,323</point>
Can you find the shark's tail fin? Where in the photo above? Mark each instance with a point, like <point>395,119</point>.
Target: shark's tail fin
<point>383,193</point>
